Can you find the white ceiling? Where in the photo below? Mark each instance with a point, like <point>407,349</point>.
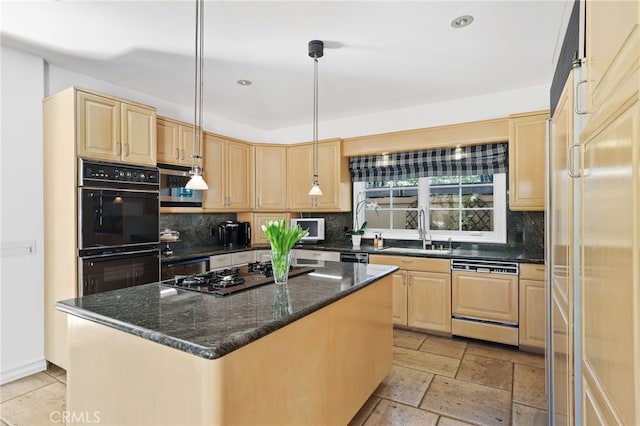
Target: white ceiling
<point>379,56</point>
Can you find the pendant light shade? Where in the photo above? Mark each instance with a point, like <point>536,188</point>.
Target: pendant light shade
<point>315,190</point>
<point>316,50</point>
<point>197,182</point>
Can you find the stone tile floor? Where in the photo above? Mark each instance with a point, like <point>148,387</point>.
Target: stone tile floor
<point>444,381</point>
<point>434,381</point>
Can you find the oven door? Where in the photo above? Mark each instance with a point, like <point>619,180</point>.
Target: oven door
<point>115,271</point>
<point>117,218</point>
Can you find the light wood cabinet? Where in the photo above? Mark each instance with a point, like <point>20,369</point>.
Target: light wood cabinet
<point>80,123</point>
<point>227,260</point>
<point>112,129</point>
<point>527,136</point>
<point>228,168</point>
<point>610,213</point>
<point>399,304</point>
<point>562,252</point>
<point>333,172</point>
<point>532,324</point>
<point>175,142</point>
<point>492,297</point>
<point>428,295</point>
<point>258,219</point>
<point>421,292</point>
<point>271,177</point>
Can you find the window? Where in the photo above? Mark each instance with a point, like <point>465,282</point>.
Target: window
<point>463,208</point>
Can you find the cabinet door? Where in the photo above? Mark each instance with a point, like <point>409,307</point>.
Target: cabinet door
<point>271,177</point>
<point>562,232</point>
<point>259,219</point>
<point>492,297</point>
<point>214,172</point>
<point>185,145</point>
<point>527,137</point>
<point>138,135</point>
<point>220,261</point>
<point>300,177</point>
<point>532,313</point>
<point>562,366</point>
<point>167,135</point>
<point>239,176</point>
<point>399,305</point>
<point>429,301</point>
<point>98,127</point>
<point>604,42</point>
<point>329,162</point>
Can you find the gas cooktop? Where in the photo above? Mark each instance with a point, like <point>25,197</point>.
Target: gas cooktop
<point>227,281</point>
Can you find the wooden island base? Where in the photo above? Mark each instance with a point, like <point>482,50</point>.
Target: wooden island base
<point>318,370</point>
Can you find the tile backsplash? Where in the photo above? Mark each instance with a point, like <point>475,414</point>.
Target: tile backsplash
<point>194,228</point>
<point>524,229</point>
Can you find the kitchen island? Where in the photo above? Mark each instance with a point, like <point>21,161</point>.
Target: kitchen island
<point>309,352</point>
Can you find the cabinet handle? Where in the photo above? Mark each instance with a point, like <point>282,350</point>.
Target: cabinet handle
<point>258,202</point>
<point>576,97</point>
<point>540,269</point>
<point>570,161</point>
<point>406,261</point>
<point>119,148</point>
<point>177,153</point>
<point>182,154</point>
<point>126,149</point>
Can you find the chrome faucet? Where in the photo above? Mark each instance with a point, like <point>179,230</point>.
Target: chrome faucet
<point>422,230</point>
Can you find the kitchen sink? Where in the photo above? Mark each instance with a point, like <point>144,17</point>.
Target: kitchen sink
<point>416,250</point>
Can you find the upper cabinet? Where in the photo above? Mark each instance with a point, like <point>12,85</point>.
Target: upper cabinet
<point>527,136</point>
<point>112,129</point>
<point>228,171</point>
<point>271,177</point>
<point>333,175</point>
<point>175,142</point>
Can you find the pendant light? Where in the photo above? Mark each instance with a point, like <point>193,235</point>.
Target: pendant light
<point>197,182</point>
<point>316,50</point>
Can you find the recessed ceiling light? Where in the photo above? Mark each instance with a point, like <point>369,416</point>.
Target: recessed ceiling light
<point>244,82</point>
<point>462,21</point>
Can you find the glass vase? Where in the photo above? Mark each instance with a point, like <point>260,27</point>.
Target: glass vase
<point>281,306</point>
<point>280,262</point>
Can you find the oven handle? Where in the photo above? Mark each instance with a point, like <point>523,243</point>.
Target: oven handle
<point>107,256</point>
<point>97,188</point>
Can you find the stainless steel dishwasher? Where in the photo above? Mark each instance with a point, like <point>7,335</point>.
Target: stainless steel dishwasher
<point>484,300</point>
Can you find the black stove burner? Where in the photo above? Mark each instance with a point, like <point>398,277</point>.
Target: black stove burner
<point>213,279</point>
<point>225,282</point>
<point>264,268</point>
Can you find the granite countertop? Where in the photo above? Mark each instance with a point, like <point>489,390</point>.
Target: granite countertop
<point>211,327</point>
<point>495,252</point>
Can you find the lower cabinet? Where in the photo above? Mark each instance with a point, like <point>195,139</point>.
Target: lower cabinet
<point>227,260</point>
<point>533,322</point>
<point>421,292</point>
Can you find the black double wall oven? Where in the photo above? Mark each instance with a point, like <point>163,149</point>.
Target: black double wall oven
<point>118,226</point>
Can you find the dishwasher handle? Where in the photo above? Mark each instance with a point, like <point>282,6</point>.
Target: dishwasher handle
<point>354,257</point>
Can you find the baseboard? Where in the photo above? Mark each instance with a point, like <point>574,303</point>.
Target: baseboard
<point>23,371</point>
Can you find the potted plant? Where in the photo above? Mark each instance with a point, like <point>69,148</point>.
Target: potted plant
<point>356,234</point>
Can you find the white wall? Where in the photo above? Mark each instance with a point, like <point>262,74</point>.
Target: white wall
<point>494,105</point>
<point>21,216</point>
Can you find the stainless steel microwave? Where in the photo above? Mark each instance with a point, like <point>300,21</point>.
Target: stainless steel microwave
<point>173,191</point>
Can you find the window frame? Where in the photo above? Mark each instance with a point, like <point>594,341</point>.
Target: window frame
<point>498,235</point>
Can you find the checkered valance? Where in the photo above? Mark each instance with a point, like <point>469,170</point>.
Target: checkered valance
<point>462,161</point>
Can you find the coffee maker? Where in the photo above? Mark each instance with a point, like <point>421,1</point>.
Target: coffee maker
<point>234,234</point>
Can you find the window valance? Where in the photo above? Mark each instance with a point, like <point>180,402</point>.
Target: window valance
<point>461,161</point>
